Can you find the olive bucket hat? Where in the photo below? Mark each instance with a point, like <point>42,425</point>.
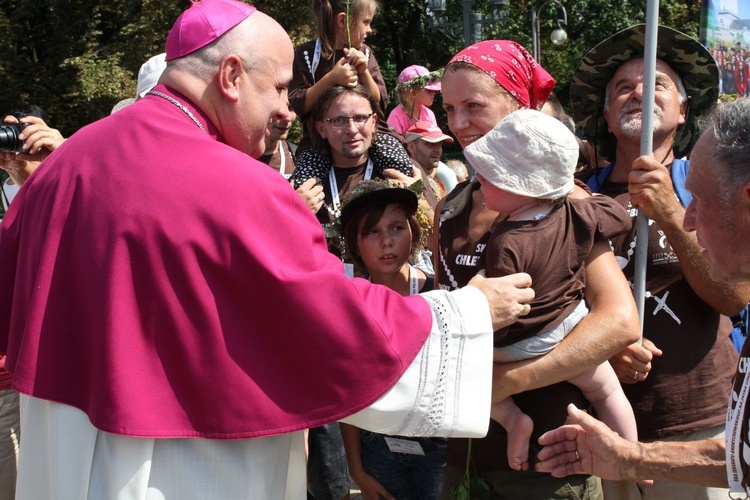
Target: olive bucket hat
<point>685,55</point>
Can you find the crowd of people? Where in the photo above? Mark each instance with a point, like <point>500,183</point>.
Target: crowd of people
<point>734,68</point>
<point>353,308</point>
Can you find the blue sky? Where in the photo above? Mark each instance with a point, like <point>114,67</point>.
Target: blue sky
<point>743,6</point>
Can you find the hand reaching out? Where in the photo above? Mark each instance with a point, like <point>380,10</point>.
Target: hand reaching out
<point>586,446</point>
<point>507,296</point>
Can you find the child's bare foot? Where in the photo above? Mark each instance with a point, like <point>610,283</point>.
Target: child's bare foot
<point>518,425</point>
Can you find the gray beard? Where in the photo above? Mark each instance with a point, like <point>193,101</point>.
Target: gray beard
<point>632,125</point>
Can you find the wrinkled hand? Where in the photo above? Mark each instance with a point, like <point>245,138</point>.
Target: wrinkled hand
<point>633,363</point>
<point>402,180</point>
<point>600,451</point>
<point>311,192</point>
<point>357,59</point>
<point>650,189</point>
<point>344,74</point>
<point>506,296</point>
<point>372,489</point>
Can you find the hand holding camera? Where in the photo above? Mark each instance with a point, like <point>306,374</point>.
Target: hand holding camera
<point>24,143</point>
<point>29,136</point>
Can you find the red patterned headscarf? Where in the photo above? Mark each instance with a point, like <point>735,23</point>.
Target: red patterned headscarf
<point>510,65</point>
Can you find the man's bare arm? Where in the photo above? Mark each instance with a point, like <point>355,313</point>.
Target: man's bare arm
<point>588,446</point>
<point>651,190</point>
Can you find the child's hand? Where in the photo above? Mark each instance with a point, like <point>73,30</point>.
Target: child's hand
<point>357,60</point>
<point>343,74</point>
<point>372,489</point>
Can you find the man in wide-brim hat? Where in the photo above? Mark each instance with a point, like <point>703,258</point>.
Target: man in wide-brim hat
<point>686,359</point>
<point>691,61</point>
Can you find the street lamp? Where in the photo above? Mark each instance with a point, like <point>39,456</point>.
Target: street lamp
<point>470,21</point>
<point>558,36</point>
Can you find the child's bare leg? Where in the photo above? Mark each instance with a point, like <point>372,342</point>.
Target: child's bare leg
<point>604,392</point>
<point>518,425</point>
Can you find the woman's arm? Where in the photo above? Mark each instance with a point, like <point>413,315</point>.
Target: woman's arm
<point>435,242</point>
<point>611,325</point>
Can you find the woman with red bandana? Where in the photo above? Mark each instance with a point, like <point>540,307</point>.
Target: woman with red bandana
<point>481,85</point>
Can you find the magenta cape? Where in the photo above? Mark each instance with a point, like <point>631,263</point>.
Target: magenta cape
<point>169,285</point>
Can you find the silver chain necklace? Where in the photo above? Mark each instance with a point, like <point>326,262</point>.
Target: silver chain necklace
<point>179,105</point>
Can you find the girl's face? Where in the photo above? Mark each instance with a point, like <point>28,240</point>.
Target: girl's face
<point>498,200</point>
<point>360,28</point>
<point>424,97</point>
<point>386,247</point>
<point>474,103</point>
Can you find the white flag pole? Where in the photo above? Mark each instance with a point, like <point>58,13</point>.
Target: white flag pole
<point>647,140</point>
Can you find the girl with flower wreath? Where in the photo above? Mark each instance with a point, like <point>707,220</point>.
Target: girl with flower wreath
<point>382,227</point>
<point>416,90</point>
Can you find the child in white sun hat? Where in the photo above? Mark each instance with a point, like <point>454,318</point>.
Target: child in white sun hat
<point>525,166</point>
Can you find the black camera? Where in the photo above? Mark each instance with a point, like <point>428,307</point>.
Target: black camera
<point>9,137</point>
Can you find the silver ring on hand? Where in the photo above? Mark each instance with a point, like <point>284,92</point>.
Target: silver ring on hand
<point>578,457</point>
<point>635,375</point>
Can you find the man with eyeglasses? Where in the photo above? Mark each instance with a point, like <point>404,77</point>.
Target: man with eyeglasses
<point>346,147</point>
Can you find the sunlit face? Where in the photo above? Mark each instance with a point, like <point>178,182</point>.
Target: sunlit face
<point>626,100</point>
<point>426,154</point>
<point>262,95</point>
<point>722,226</point>
<point>349,145</point>
<point>499,200</point>
<point>386,247</point>
<point>474,104</point>
<point>360,28</point>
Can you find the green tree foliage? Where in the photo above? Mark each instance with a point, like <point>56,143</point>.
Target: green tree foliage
<point>77,58</point>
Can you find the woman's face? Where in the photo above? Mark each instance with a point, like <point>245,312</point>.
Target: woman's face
<point>474,103</point>
<point>386,247</point>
